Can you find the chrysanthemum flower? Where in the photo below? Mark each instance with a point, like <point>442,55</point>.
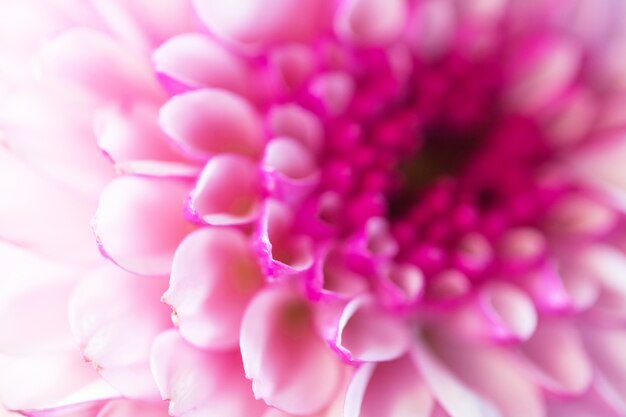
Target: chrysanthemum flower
<point>357,208</point>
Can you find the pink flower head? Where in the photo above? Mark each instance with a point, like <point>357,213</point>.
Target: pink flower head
<point>326,208</point>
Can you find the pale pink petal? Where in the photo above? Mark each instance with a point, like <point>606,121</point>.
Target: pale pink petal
<point>371,22</point>
<point>431,28</point>
<point>67,154</point>
<point>603,264</point>
<point>42,374</point>
<point>283,355</point>
<point>280,250</point>
<point>572,119</point>
<point>290,158</point>
<point>129,133</point>
<point>293,121</point>
<point>141,24</point>
<point>549,67</point>
<point>557,358</point>
<point>35,319</point>
<point>130,408</point>
<point>483,368</point>
<point>590,403</point>
<point>453,395</point>
<point>199,383</point>
<point>521,247</point>
<point>214,275</point>
<point>197,61</point>
<point>124,76</point>
<point>333,91</point>
<point>606,349</point>
<point>393,389</point>
<point>24,194</point>
<point>104,408</point>
<point>366,332</point>
<point>293,65</point>
<point>599,163</point>
<point>116,337</point>
<point>140,222</point>
<point>262,22</point>
<point>228,191</point>
<point>89,409</point>
<point>402,285</point>
<point>578,215</point>
<point>510,311</point>
<point>210,121</point>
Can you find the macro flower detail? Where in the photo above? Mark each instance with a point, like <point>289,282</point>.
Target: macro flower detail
<point>356,208</point>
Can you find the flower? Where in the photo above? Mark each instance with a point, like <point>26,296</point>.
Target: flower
<point>325,208</point>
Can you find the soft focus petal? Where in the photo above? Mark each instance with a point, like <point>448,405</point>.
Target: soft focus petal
<point>116,338</point>
<point>200,383</point>
<point>392,389</point>
<point>262,22</point>
<point>139,223</point>
<point>283,355</point>
<point>557,357</point>
<point>196,61</point>
<point>227,192</point>
<point>214,275</point>
<point>123,77</point>
<point>210,121</point>
<point>368,333</point>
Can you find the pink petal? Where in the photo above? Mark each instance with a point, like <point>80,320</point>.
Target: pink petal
<point>228,191</point>
<point>549,67</point>
<point>402,285</point>
<point>265,21</point>
<point>606,350</point>
<point>598,163</point>
<point>42,374</point>
<point>452,394</point>
<point>283,355</point>
<point>521,247</point>
<point>214,275</point>
<point>34,293</point>
<point>128,134</point>
<point>392,389</point>
<point>124,76</point>
<point>556,355</point>
<point>129,408</point>
<point>510,311</point>
<point>368,333</point>
<point>116,338</point>
<point>197,61</point>
<point>483,368</point>
<point>88,409</point>
<point>68,154</point>
<point>580,216</point>
<point>140,222</point>
<point>293,121</point>
<point>588,404</point>
<point>333,91</point>
<point>292,66</point>
<point>604,265</point>
<point>23,222</point>
<point>280,249</point>
<point>104,408</point>
<point>199,383</point>
<point>35,319</point>
<point>371,22</point>
<point>140,24</point>
<point>290,158</point>
<point>210,121</point>
<point>432,28</point>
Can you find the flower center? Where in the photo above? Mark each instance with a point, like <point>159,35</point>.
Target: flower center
<point>432,150</point>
